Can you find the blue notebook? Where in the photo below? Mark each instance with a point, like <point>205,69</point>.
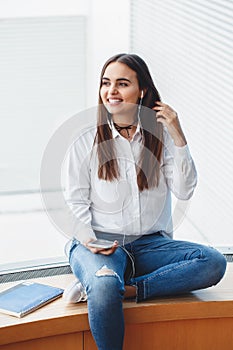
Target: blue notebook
<point>26,297</point>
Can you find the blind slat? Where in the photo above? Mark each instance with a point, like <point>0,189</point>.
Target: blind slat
<point>42,69</point>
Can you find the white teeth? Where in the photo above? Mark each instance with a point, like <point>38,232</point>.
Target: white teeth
<point>114,101</point>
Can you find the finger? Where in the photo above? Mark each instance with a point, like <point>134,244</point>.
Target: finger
<point>160,103</point>
<point>158,108</point>
<point>111,250</point>
<point>98,250</point>
<point>160,114</point>
<point>101,250</point>
<point>93,250</point>
<point>106,251</point>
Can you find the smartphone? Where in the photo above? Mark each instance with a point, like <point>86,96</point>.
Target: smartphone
<point>101,243</point>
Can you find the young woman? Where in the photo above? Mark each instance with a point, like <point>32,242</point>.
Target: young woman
<point>120,178</point>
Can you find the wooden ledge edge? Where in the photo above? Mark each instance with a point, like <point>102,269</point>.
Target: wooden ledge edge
<point>134,314</point>
<point>57,319</point>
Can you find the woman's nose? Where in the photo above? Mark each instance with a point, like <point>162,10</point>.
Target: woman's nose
<point>113,89</point>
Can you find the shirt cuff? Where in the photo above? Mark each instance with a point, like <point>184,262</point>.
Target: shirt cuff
<point>84,234</point>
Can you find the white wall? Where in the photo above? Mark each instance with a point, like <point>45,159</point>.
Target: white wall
<point>38,8</point>
<point>108,30</point>
<point>108,24</point>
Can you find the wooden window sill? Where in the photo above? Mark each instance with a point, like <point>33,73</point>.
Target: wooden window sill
<point>57,318</point>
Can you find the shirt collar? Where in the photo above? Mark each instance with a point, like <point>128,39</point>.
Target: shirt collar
<point>137,136</point>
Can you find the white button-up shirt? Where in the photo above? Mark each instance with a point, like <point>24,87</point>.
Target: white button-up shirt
<point>118,207</point>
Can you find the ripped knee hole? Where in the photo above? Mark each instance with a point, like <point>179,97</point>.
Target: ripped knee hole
<point>105,271</point>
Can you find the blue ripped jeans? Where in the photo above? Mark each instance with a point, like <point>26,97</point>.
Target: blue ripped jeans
<point>162,267</point>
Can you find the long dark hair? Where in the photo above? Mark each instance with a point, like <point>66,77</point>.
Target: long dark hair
<point>149,163</point>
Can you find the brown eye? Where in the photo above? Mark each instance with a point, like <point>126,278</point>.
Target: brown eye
<point>105,83</point>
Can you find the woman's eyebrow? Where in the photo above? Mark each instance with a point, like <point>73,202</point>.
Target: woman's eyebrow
<point>119,79</point>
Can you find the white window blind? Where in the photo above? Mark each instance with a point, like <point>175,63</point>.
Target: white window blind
<point>42,70</point>
<point>189,48</point>
<point>42,84</point>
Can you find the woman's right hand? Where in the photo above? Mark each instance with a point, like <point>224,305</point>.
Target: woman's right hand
<point>100,250</point>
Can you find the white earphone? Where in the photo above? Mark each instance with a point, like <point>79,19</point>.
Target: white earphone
<point>142,94</point>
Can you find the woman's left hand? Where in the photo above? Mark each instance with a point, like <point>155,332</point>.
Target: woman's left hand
<point>169,118</point>
<point>101,250</point>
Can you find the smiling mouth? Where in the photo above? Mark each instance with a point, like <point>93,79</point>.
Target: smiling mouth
<point>114,101</point>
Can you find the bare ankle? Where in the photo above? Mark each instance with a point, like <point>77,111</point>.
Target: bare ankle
<point>130,292</point>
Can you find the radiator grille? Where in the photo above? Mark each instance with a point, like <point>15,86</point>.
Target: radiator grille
<point>43,272</point>
<point>229,257</point>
